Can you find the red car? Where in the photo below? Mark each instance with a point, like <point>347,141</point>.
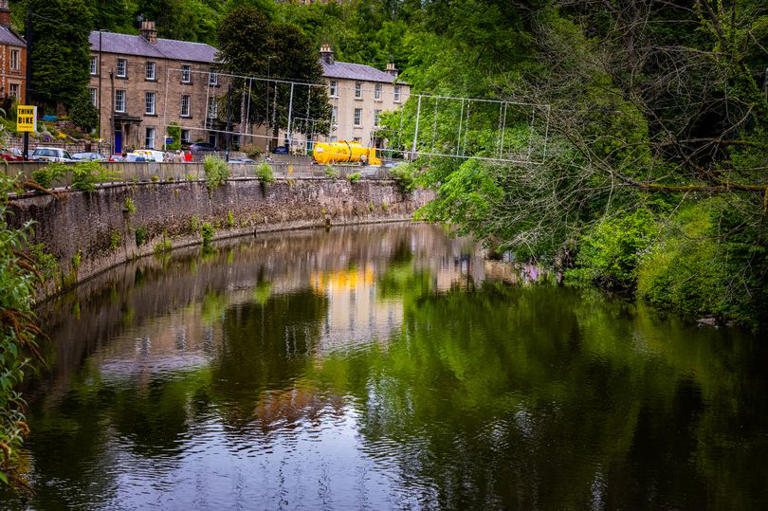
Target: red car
<point>12,154</point>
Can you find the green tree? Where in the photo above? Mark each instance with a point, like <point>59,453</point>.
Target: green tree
<point>250,43</point>
<point>82,112</point>
<point>60,50</point>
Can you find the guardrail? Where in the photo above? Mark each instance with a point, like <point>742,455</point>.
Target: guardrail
<point>152,171</point>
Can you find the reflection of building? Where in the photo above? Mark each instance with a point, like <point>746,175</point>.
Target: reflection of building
<point>355,313</point>
<point>137,95</point>
<point>13,58</point>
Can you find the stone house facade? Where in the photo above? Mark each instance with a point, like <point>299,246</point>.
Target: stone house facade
<point>141,84</point>
<point>358,95</point>
<point>13,59</point>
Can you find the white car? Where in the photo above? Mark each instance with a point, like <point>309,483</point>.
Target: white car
<point>146,155</point>
<point>50,154</point>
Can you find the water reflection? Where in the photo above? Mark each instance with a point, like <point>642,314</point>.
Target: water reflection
<point>378,367</point>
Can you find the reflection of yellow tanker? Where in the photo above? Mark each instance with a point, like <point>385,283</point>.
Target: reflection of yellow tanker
<point>344,152</point>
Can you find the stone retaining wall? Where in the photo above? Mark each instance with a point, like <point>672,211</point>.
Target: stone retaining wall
<point>91,232</point>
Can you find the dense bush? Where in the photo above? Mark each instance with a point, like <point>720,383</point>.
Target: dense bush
<point>48,175</point>
<point>405,176</point>
<point>353,177</point>
<point>331,172</point>
<point>216,172</point>
<point>264,173</point>
<point>610,252</point>
<point>85,175</point>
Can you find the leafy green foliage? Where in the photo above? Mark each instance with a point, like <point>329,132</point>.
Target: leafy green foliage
<point>207,231</point>
<point>174,132</point>
<point>86,175</point>
<point>61,51</point>
<point>141,235</point>
<point>48,175</point>
<point>610,253</point>
<point>216,172</point>
<point>18,331</point>
<point>83,113</point>
<point>114,240</point>
<point>129,206</point>
<point>331,172</point>
<point>264,173</point>
<point>354,177</point>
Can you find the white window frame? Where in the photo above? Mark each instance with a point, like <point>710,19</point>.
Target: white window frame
<point>94,101</point>
<point>184,136</point>
<point>396,94</point>
<point>358,117</point>
<point>150,107</point>
<point>213,107</point>
<point>120,101</point>
<point>377,92</point>
<point>124,72</point>
<point>150,71</point>
<point>358,90</point>
<point>13,90</point>
<point>16,60</point>
<point>149,138</point>
<point>376,117</point>
<point>333,89</point>
<point>213,78</point>
<point>188,112</point>
<point>186,74</point>
<point>334,115</point>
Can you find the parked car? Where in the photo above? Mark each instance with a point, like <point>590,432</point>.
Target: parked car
<point>242,161</point>
<point>50,154</point>
<point>88,157</point>
<point>281,149</point>
<point>145,155</point>
<point>12,154</point>
<point>202,147</point>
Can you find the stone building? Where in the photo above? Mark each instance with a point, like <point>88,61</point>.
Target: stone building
<point>13,58</point>
<point>358,95</point>
<point>140,84</point>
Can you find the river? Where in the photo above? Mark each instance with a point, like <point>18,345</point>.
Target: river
<point>384,367</point>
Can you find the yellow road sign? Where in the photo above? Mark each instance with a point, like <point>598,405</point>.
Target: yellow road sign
<point>26,118</point>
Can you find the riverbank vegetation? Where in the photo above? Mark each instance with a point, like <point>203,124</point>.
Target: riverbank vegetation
<point>654,117</point>
<point>18,332</point>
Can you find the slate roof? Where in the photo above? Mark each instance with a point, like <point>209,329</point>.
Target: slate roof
<point>9,37</point>
<point>126,44</point>
<point>361,72</point>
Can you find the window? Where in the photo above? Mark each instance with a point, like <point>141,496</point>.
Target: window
<point>376,117</point>
<point>94,65</point>
<point>358,90</point>
<point>334,139</point>
<point>358,116</point>
<point>14,90</point>
<point>185,136</point>
<point>377,91</point>
<point>185,106</point>
<point>334,115</point>
<point>150,71</point>
<point>213,79</point>
<point>119,101</point>
<point>213,107</point>
<point>186,74</point>
<point>149,103</point>
<point>122,68</point>
<point>397,93</point>
<point>357,139</point>
<point>94,101</point>
<point>149,138</point>
<point>15,61</point>
<point>334,89</point>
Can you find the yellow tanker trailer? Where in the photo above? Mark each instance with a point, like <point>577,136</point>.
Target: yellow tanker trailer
<point>345,152</point>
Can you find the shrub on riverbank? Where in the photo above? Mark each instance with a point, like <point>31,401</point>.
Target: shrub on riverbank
<point>17,331</point>
<point>216,172</point>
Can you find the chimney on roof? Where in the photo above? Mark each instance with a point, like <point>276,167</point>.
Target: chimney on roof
<point>5,14</point>
<point>326,54</point>
<point>392,70</point>
<point>148,31</point>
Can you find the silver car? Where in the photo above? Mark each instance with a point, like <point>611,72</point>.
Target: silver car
<point>50,154</point>
<point>88,157</point>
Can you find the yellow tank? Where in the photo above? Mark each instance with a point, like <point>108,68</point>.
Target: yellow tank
<point>345,152</point>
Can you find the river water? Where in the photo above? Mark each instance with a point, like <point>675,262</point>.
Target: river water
<point>385,367</point>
